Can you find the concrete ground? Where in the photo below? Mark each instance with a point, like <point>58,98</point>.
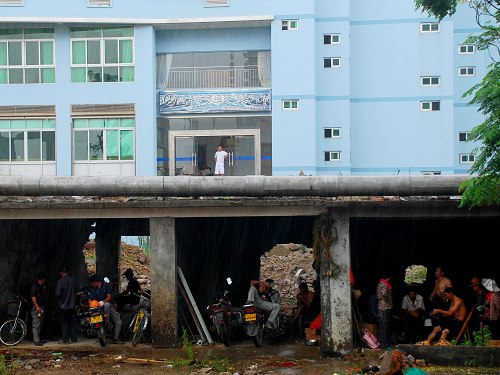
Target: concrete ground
<point>87,357</point>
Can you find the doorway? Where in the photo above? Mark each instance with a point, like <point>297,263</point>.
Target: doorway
<point>192,151</point>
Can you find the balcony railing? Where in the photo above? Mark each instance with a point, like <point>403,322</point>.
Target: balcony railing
<point>213,77</point>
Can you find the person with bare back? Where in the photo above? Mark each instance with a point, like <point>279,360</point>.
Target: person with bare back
<point>455,317</point>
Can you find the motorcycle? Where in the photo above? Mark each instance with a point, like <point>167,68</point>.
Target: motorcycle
<point>254,322</point>
<point>91,317</point>
<point>224,317</point>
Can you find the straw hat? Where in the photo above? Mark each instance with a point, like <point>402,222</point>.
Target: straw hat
<point>490,285</point>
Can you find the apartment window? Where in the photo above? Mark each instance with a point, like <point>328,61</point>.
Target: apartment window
<point>290,104</point>
<point>430,173</point>
<point>463,136</point>
<point>331,62</point>
<point>429,27</point>
<point>434,105</point>
<point>98,3</point>
<point>289,25</point>
<point>467,158</point>
<point>27,140</point>
<point>466,49</point>
<point>333,155</point>
<point>103,139</point>
<point>27,56</point>
<point>102,54</point>
<point>331,132</point>
<point>331,38</point>
<point>467,71</point>
<point>429,81</point>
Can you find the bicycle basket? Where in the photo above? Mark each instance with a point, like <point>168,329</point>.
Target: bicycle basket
<point>12,307</point>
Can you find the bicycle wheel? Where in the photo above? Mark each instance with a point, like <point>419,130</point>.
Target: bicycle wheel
<point>12,332</point>
<point>140,330</point>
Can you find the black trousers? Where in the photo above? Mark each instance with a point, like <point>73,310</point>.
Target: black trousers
<point>69,328</point>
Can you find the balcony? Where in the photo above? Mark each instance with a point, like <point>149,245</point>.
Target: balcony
<point>213,77</point>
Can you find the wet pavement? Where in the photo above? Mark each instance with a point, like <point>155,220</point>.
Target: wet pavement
<point>87,357</point>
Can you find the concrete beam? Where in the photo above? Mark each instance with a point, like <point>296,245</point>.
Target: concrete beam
<point>336,332</point>
<point>164,282</point>
<point>250,186</point>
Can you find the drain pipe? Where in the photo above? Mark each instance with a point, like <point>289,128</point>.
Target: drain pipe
<point>250,186</point>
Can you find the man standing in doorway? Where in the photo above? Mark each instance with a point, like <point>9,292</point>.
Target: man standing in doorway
<point>38,298</point>
<point>219,157</point>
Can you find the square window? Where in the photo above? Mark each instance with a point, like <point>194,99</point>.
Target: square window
<point>289,25</point>
<point>290,104</point>
<point>467,71</point>
<point>332,155</point>
<point>331,62</point>
<point>429,27</point>
<point>466,49</point>
<point>430,105</point>
<point>331,38</point>
<point>331,132</point>
<point>463,136</point>
<point>429,81</point>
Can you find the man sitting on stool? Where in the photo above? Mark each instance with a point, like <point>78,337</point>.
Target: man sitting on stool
<point>456,315</point>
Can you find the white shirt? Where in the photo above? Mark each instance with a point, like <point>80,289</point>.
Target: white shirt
<point>410,305</point>
<point>219,156</point>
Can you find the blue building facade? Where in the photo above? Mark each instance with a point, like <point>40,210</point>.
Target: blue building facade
<point>118,87</point>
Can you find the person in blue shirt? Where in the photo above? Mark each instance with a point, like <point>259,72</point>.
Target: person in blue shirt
<point>101,291</point>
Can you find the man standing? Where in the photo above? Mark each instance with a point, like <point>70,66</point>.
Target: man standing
<point>438,296</point>
<point>219,157</point>
<point>384,297</point>
<point>38,298</point>
<point>66,295</point>
<point>456,315</point>
<point>479,301</point>
<point>129,295</point>
<point>101,292</point>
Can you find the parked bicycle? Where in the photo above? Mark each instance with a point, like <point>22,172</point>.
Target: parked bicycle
<point>13,331</point>
<point>140,320</point>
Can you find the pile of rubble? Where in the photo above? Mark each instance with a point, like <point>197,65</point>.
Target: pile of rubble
<point>131,256</point>
<point>288,265</point>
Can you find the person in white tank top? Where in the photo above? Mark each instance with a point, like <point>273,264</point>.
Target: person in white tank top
<point>219,157</point>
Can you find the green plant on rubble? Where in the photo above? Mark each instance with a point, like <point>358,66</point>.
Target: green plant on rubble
<point>6,369</point>
<point>482,336</point>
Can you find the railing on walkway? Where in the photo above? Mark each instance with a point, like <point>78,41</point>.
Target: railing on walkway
<point>213,77</point>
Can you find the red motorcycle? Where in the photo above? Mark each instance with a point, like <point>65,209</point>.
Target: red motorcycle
<point>224,317</point>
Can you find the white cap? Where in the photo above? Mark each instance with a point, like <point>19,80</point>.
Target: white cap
<point>490,285</point>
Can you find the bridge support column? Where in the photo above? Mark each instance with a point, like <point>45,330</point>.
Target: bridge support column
<point>331,237</point>
<point>164,282</point>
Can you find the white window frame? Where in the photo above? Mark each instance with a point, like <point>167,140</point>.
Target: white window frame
<point>332,130</point>
<point>466,71</point>
<point>286,25</point>
<point>430,102</point>
<point>104,141</point>
<point>431,25</point>
<point>331,35</point>
<point>466,134</point>
<point>334,62</point>
<point>330,154</point>
<point>433,81</point>
<point>25,132</point>
<point>24,65</point>
<point>466,158</point>
<point>467,47</point>
<point>291,102</point>
<point>102,63</point>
